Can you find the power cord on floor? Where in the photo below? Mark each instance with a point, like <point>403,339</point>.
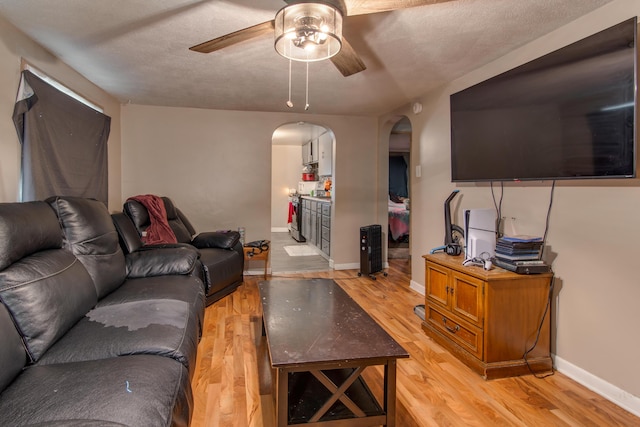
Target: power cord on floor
<point>535,343</point>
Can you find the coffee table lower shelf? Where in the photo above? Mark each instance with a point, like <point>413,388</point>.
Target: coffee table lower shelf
<point>307,395</point>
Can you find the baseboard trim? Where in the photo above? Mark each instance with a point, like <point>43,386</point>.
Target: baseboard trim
<point>596,384</point>
<point>418,287</point>
<point>279,229</point>
<point>351,266</point>
<point>258,272</point>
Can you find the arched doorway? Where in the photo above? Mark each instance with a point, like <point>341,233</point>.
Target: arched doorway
<point>399,191</point>
<point>296,150</point>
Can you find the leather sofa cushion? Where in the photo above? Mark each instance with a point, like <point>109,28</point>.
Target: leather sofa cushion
<point>183,288</point>
<point>26,228</point>
<point>90,234</point>
<point>180,229</point>
<point>213,239</point>
<point>127,232</point>
<point>162,327</point>
<point>225,267</point>
<point>12,355</point>
<point>140,390</point>
<point>140,217</point>
<point>46,293</point>
<point>162,261</point>
<point>138,214</point>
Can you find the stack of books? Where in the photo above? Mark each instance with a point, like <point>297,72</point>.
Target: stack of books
<point>520,254</point>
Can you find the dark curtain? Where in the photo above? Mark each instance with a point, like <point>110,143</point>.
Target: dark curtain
<point>398,176</point>
<point>64,143</point>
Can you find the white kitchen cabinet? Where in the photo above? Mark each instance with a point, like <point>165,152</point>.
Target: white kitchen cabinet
<point>324,153</point>
<point>306,153</point>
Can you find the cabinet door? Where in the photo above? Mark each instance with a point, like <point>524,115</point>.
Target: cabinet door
<point>437,278</point>
<point>319,228</point>
<point>314,150</point>
<point>314,227</point>
<point>309,153</point>
<point>466,297</point>
<point>326,247</point>
<point>306,223</point>
<point>325,152</point>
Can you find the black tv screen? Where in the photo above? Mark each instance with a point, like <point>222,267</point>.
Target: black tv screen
<point>569,114</point>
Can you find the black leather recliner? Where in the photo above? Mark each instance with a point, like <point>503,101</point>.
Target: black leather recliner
<point>221,253</point>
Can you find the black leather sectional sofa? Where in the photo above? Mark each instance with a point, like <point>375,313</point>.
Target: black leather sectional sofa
<point>90,336</point>
<point>221,253</point>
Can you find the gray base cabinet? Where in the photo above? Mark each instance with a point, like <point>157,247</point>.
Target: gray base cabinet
<point>316,224</point>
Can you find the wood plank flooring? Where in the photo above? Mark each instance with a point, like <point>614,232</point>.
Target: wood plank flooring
<point>434,388</point>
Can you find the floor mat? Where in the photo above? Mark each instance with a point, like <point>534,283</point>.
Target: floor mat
<point>300,250</point>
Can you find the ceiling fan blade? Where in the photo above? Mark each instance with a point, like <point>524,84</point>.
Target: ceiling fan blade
<point>347,60</point>
<point>234,38</point>
<point>364,7</point>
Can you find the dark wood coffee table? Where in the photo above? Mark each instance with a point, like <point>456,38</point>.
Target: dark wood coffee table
<point>319,342</point>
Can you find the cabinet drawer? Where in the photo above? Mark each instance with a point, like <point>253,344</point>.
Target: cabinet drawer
<point>326,209</point>
<point>467,336</point>
<point>326,233</point>
<point>325,247</point>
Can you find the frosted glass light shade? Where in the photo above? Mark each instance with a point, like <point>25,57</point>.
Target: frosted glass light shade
<point>308,31</point>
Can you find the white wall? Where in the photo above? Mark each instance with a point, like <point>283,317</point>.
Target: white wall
<point>14,47</point>
<point>594,229</point>
<point>286,172</point>
<point>216,166</point>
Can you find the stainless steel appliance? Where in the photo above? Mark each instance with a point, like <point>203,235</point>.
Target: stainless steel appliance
<point>296,218</point>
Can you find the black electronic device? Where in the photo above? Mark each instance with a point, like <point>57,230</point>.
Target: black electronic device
<point>569,114</point>
<point>524,267</point>
<point>371,250</point>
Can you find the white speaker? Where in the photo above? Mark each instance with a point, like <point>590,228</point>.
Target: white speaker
<point>480,233</point>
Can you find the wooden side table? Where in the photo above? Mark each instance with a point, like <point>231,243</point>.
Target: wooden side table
<point>257,254</point>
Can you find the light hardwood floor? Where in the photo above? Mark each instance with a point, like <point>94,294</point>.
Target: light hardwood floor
<point>434,388</point>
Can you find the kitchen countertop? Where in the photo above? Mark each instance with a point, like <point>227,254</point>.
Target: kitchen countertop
<point>318,199</point>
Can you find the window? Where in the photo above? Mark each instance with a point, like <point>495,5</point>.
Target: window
<point>64,142</point>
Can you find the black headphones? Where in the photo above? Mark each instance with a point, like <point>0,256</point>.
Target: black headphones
<point>258,247</point>
<point>453,249</point>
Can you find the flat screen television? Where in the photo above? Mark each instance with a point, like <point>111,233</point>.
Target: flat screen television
<point>567,115</point>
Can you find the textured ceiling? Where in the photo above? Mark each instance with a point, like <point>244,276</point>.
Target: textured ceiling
<point>137,50</point>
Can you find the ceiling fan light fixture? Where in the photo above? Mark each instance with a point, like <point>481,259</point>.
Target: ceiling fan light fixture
<point>308,32</point>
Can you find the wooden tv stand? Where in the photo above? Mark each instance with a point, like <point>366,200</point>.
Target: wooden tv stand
<point>488,319</point>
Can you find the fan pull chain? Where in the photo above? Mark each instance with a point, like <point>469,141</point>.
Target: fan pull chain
<point>289,103</point>
<point>306,105</point>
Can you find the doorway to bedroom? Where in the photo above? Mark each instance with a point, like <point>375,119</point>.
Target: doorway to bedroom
<point>399,194</point>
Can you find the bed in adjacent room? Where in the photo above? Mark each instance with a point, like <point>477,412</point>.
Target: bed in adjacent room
<point>399,219</point>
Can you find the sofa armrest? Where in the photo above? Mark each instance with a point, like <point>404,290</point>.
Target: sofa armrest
<point>216,239</point>
<point>162,261</point>
<point>186,246</point>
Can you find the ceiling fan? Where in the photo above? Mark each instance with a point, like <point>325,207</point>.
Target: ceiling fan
<point>308,34</point>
